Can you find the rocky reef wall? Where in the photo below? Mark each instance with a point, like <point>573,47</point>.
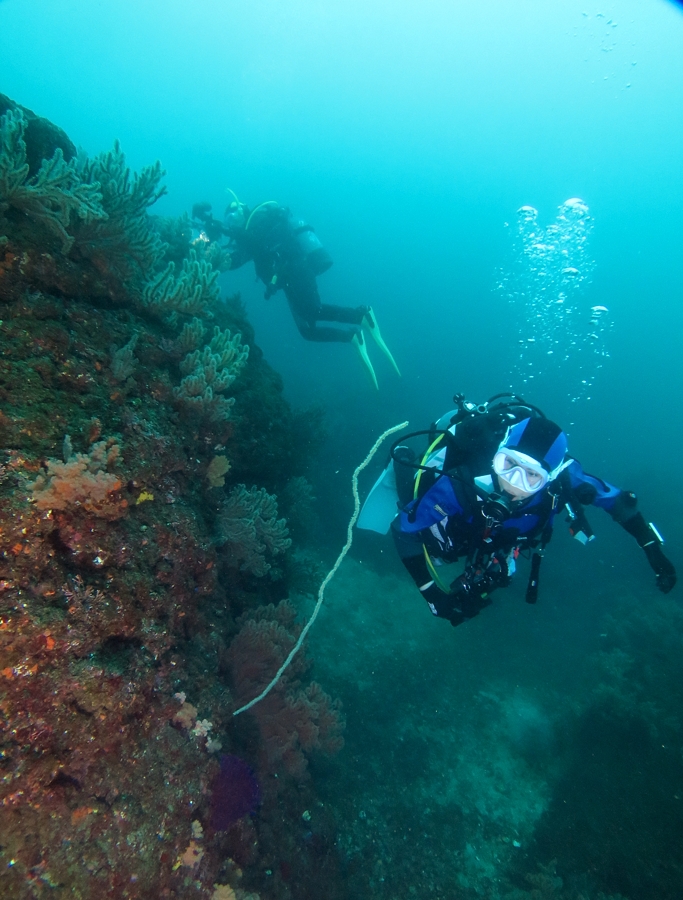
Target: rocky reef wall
<point>145,562</point>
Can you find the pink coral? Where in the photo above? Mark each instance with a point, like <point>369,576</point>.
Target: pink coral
<point>186,716</point>
<point>293,720</point>
<point>223,892</point>
<point>192,856</point>
<point>82,481</point>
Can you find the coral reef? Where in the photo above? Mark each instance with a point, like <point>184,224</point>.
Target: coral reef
<point>189,339</point>
<point>122,243</point>
<point>82,481</point>
<point>293,720</point>
<point>216,471</point>
<point>298,503</point>
<point>175,233</point>
<point>123,360</point>
<point>305,571</point>
<point>211,372</point>
<point>42,137</point>
<point>190,292</point>
<point>56,195</point>
<point>249,528</point>
<point>113,596</point>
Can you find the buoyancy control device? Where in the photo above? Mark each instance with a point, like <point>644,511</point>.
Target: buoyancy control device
<point>277,225</point>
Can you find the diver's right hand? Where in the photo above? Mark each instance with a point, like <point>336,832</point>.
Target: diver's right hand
<point>466,603</point>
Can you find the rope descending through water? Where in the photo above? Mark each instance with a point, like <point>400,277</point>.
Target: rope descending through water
<point>330,575</point>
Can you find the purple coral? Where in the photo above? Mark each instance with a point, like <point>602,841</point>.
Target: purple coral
<point>235,792</point>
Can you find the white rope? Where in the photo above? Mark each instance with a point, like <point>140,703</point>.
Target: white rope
<point>330,574</point>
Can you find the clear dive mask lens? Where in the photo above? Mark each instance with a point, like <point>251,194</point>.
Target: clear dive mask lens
<point>520,471</point>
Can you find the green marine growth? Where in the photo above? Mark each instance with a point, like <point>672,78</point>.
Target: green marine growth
<point>123,361</point>
<point>190,338</point>
<point>123,242</point>
<point>96,204</point>
<point>210,372</point>
<point>55,196</point>
<point>250,528</point>
<point>190,292</point>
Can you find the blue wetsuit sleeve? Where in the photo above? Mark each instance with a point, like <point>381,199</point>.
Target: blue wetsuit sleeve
<point>438,503</point>
<point>593,491</point>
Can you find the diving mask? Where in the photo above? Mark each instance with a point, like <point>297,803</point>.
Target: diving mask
<point>520,471</point>
<point>235,216</point>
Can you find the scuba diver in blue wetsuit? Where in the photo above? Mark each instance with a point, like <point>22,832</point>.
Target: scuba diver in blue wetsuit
<point>486,490</point>
<point>288,256</point>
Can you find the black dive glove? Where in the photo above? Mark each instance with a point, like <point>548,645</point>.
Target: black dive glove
<point>661,566</point>
<point>651,543</point>
<point>466,601</point>
<point>461,604</point>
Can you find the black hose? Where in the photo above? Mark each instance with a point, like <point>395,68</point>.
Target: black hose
<point>532,586</point>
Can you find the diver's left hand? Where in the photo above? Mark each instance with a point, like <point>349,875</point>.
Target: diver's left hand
<point>662,567</point>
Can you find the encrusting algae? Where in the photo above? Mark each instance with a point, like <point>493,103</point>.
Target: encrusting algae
<point>121,584</point>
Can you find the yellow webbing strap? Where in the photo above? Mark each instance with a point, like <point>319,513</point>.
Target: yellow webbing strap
<point>428,560</point>
<point>432,571</point>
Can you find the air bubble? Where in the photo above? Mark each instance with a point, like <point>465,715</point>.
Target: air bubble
<point>545,283</point>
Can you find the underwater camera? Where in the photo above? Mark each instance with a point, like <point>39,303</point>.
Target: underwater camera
<point>497,508</point>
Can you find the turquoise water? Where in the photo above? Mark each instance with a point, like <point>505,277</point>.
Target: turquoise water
<point>409,135</point>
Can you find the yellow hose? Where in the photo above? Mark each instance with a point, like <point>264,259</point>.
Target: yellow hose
<point>428,560</point>
<point>427,453</point>
<point>260,206</point>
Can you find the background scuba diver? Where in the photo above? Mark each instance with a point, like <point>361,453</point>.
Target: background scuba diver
<point>489,487</point>
<point>288,256</point>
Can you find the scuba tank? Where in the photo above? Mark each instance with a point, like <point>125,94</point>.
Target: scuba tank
<point>272,226</point>
<point>318,260</point>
